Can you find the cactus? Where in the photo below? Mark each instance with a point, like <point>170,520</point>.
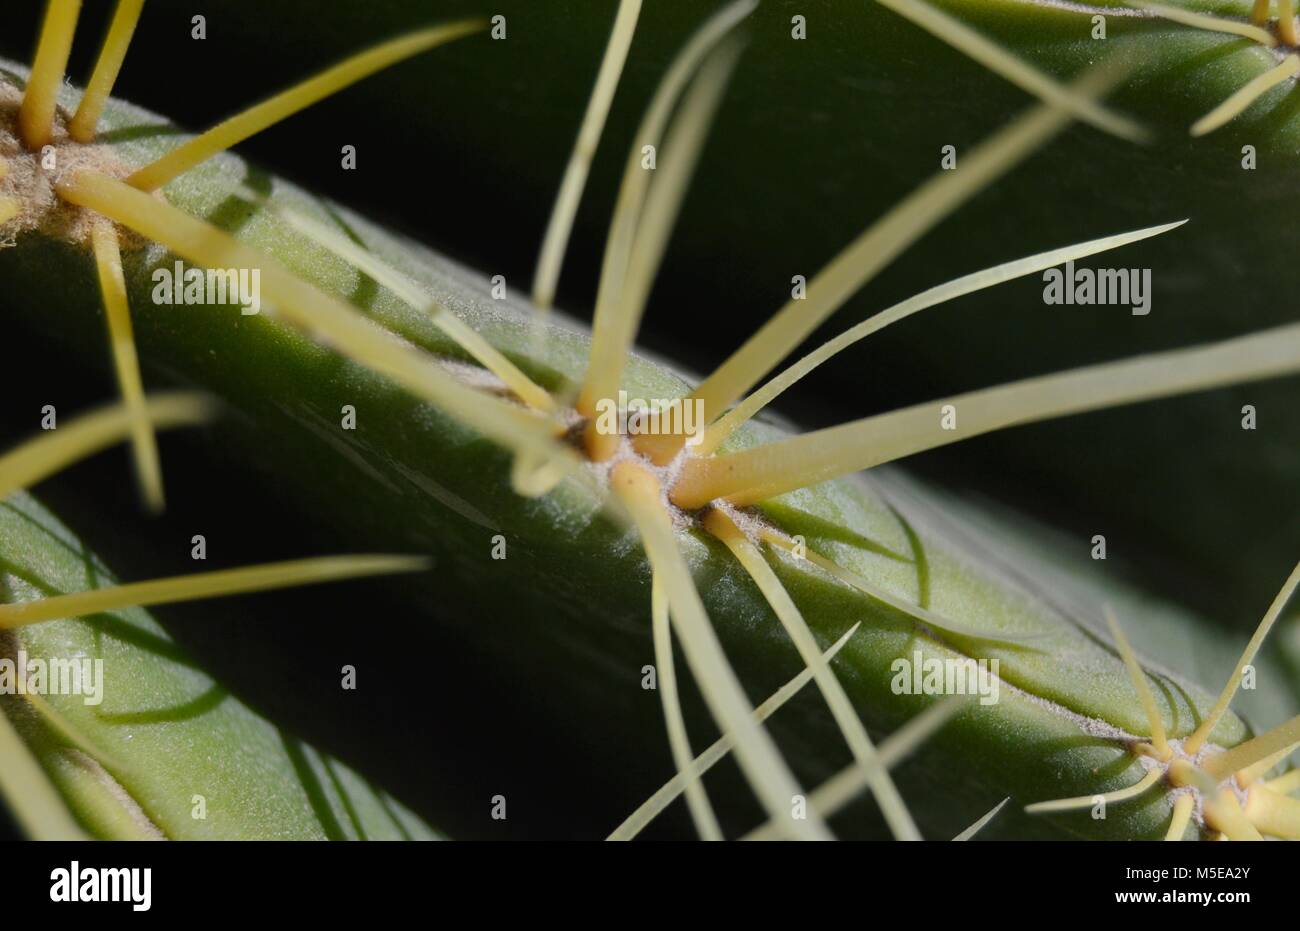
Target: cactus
<point>574,544</point>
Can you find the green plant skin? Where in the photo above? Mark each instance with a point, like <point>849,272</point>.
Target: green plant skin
<point>166,731</point>
<point>814,141</point>
<point>569,608</point>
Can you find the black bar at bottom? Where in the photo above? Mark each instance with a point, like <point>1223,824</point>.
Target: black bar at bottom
<point>212,880</point>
